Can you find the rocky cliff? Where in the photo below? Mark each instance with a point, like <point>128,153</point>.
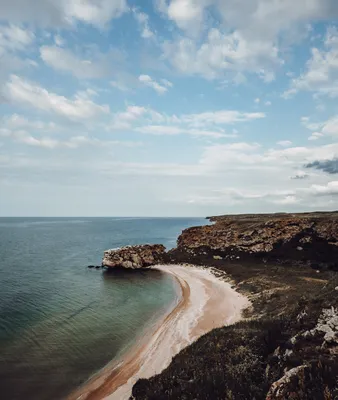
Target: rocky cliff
<point>133,257</point>
<point>281,238</point>
<point>287,348</point>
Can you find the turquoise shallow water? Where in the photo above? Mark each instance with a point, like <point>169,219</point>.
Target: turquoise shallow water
<point>61,322</point>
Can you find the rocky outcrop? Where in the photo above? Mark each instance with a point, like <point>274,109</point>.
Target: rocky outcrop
<point>311,238</point>
<point>288,346</point>
<point>133,257</point>
<point>285,387</point>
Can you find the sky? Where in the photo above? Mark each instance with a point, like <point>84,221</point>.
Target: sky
<point>168,107</point>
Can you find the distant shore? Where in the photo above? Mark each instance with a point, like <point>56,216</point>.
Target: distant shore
<point>205,302</point>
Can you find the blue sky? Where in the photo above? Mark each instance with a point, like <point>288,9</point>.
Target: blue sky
<point>168,107</point>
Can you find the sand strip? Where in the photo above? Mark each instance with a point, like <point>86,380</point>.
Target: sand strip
<point>207,302</point>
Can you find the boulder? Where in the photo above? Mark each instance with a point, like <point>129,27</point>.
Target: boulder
<point>134,257</point>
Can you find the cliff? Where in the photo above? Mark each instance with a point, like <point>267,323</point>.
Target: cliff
<point>133,257</point>
<point>310,239</point>
<point>287,345</point>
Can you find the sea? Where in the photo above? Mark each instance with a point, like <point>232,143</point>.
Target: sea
<point>61,322</point>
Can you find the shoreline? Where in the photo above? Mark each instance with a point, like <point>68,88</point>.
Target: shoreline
<point>207,302</point>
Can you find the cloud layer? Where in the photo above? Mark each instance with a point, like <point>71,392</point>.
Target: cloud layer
<point>174,107</point>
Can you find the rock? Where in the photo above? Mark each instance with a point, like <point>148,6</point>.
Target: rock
<point>127,264</point>
<point>91,266</point>
<point>285,386</point>
<point>288,353</point>
<point>299,248</point>
<point>328,325</point>
<point>98,266</point>
<point>218,258</point>
<point>134,257</point>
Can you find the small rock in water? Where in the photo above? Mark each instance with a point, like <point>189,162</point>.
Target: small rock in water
<point>97,267</point>
<point>91,266</point>
<point>134,257</point>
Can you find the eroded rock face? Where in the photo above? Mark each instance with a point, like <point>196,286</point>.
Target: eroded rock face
<point>311,237</point>
<point>134,257</point>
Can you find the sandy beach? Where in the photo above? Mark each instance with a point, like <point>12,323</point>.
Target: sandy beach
<point>206,302</point>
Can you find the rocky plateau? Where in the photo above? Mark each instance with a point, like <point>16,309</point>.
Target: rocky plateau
<point>309,238</point>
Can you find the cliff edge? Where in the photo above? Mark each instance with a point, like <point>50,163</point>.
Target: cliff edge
<point>286,347</point>
<point>310,239</point>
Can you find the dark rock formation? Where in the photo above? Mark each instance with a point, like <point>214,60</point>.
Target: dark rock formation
<point>282,238</point>
<point>134,257</point>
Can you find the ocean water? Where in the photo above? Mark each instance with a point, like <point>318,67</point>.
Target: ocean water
<point>61,322</point>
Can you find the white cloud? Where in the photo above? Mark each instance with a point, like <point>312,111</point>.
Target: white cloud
<point>187,14</point>
<point>221,53</point>
<point>167,83</point>
<point>60,13</point>
<point>95,65</point>
<point>312,126</point>
<point>143,20</point>
<point>284,143</point>
<point>266,177</point>
<point>34,133</point>
<point>209,124</point>
<point>315,136</point>
<point>331,188</point>
<point>251,157</point>
<point>321,75</point>
<point>287,200</point>
<point>72,143</point>
<point>268,103</point>
<point>151,169</point>
<point>330,127</point>
<point>176,130</point>
<point>125,81</point>
<point>120,86</point>
<point>222,117</point>
<point>19,122</point>
<point>322,129</point>
<point>257,100</point>
<point>20,91</point>
<point>148,81</point>
<point>15,41</point>
<point>233,196</point>
<point>58,40</point>
<point>13,37</point>
<point>132,113</point>
<point>299,175</point>
<point>25,138</point>
<point>247,36</point>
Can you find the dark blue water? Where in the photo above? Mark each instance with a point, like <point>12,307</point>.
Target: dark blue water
<point>61,322</point>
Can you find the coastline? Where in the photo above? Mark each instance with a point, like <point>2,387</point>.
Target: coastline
<point>206,302</point>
